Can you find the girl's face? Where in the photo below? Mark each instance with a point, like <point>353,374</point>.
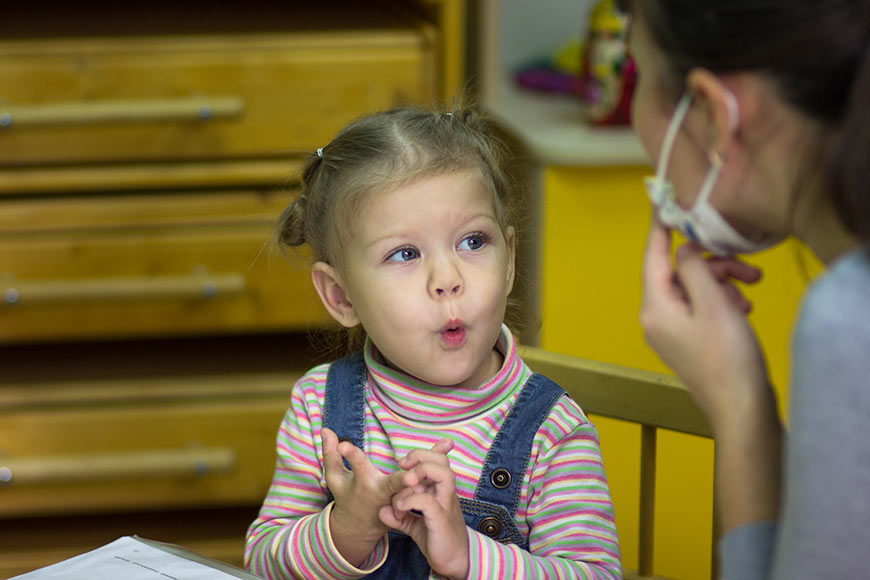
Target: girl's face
<point>428,274</point>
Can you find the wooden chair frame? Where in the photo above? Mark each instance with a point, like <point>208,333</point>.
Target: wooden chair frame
<point>652,400</point>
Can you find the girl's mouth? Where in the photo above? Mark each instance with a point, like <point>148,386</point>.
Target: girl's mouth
<point>453,334</point>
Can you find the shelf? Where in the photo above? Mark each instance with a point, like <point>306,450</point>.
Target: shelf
<point>552,126</point>
<point>513,32</point>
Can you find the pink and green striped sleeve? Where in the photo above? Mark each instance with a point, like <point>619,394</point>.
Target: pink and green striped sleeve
<point>290,538</point>
<point>572,533</point>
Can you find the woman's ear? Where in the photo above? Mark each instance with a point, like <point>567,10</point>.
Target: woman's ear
<point>721,109</point>
<point>331,290</point>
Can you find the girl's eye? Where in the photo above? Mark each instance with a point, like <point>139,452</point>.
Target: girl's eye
<point>403,255</point>
<point>473,242</point>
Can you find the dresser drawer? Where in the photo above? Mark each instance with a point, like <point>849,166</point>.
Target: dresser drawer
<point>211,97</point>
<point>196,442</point>
<point>143,265</point>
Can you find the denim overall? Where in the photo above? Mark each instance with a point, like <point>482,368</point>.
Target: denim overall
<point>495,499</point>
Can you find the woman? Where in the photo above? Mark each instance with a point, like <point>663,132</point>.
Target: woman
<point>757,111</point>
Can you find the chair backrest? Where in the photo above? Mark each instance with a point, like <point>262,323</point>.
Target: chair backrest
<point>652,400</point>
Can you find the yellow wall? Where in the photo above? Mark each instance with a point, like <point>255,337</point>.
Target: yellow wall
<point>594,226</point>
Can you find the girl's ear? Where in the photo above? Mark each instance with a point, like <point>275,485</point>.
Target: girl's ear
<point>331,290</point>
<point>510,237</point>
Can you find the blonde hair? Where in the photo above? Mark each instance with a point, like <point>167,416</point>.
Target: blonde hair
<point>383,151</point>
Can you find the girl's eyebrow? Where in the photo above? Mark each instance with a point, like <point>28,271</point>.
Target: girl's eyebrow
<point>381,239</point>
<point>402,234</point>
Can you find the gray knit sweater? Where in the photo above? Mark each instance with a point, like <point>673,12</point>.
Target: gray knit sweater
<point>824,527</point>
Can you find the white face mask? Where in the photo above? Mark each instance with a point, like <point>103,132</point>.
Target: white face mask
<point>701,224</point>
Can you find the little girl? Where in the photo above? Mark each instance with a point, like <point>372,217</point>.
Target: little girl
<point>433,451</point>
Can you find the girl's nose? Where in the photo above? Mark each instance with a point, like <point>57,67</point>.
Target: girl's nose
<point>445,280</point>
<point>443,291</point>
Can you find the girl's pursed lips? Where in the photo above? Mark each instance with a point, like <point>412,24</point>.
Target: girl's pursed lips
<point>453,324</point>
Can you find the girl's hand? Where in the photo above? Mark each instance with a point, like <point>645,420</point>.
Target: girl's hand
<point>359,495</point>
<point>694,318</point>
<point>436,525</point>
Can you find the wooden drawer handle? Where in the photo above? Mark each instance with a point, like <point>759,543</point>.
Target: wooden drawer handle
<point>121,111</point>
<point>196,285</point>
<point>64,469</point>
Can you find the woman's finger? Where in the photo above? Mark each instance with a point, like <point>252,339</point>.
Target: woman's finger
<point>656,274</point>
<point>734,269</point>
<point>704,291</point>
<point>737,298</point>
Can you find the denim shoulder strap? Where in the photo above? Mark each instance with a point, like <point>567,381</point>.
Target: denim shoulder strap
<point>344,409</point>
<point>509,455</point>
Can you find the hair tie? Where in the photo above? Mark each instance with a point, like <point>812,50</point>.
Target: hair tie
<point>320,152</point>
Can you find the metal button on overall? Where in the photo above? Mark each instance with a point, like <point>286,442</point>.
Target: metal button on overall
<point>500,478</point>
<point>490,527</point>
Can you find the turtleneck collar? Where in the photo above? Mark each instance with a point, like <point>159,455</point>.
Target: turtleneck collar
<point>415,400</point>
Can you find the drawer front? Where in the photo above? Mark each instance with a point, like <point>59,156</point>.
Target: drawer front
<point>215,98</point>
<point>193,453</point>
<point>149,265</point>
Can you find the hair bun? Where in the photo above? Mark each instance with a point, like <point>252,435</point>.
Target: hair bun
<point>291,224</point>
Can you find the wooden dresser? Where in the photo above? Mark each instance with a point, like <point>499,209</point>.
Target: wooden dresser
<point>149,333</point>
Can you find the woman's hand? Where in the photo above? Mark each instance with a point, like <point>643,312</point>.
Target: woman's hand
<point>694,317</point>
<point>436,523</point>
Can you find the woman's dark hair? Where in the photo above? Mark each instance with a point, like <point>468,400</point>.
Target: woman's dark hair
<point>817,54</point>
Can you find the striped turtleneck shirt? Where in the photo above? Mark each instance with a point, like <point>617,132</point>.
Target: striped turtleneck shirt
<point>564,507</point>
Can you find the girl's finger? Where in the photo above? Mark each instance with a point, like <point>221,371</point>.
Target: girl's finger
<point>329,440</point>
<point>355,456</point>
<point>396,482</point>
<point>391,517</point>
<point>441,478</point>
<point>423,455</point>
<point>406,493</point>
<point>333,465</point>
<point>424,503</point>
<point>444,445</point>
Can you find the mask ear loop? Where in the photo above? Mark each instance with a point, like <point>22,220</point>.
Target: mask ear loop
<point>733,109</point>
<point>671,134</point>
<point>714,156</point>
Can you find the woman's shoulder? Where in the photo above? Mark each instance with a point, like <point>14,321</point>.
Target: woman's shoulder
<point>839,299</point>
<point>832,338</point>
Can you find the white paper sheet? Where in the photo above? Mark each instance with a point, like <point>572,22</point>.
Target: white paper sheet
<point>126,559</point>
